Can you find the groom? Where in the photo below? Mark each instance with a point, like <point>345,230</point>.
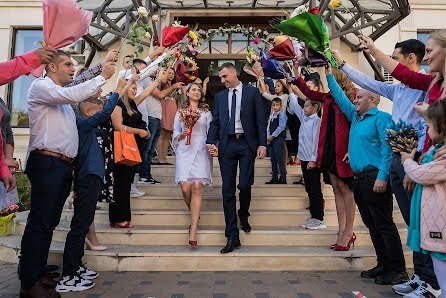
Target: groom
<point>239,126</point>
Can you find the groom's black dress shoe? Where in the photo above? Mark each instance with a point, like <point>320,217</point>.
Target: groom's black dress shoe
<point>245,225</point>
<point>230,245</point>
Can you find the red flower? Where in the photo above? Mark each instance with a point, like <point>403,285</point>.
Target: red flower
<point>157,44</point>
<point>196,72</point>
<point>314,10</point>
<point>191,64</point>
<point>256,41</point>
<point>156,37</point>
<point>178,54</point>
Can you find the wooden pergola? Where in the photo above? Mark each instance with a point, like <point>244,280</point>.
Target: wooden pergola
<point>113,18</point>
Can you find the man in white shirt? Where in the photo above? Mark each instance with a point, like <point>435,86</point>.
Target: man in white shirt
<point>53,145</point>
<point>151,107</point>
<point>239,128</point>
<point>127,68</point>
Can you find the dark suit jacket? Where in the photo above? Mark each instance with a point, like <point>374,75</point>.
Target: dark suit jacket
<point>251,115</point>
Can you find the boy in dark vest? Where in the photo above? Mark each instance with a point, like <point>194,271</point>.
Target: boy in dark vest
<point>276,138</point>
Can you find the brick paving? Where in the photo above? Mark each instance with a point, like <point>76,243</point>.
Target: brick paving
<point>185,284</point>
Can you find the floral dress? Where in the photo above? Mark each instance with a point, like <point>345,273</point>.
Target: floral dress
<point>104,134</point>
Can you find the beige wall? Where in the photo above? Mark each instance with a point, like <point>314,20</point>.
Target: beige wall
<point>426,15</point>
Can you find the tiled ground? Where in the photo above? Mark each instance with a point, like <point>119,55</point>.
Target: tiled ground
<point>253,284</point>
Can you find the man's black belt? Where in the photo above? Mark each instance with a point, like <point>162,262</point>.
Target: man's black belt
<point>237,136</point>
<point>362,175</point>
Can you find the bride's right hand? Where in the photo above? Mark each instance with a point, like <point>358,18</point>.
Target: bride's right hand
<point>184,133</point>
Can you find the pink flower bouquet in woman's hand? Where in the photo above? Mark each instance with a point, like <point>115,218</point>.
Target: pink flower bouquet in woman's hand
<point>189,117</point>
<point>63,24</point>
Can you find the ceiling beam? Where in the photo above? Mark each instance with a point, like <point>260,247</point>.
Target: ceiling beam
<point>254,2</point>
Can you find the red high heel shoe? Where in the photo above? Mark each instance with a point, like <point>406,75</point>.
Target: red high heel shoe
<point>126,226</point>
<point>192,242</point>
<point>347,248</point>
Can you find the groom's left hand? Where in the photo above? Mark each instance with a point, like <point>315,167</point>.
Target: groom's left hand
<point>261,152</point>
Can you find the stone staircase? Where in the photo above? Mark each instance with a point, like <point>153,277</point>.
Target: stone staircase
<point>159,240</point>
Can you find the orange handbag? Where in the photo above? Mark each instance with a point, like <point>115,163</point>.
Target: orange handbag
<point>126,150</point>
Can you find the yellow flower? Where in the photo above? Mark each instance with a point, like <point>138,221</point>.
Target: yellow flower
<point>193,36</point>
<point>336,3</point>
<point>148,35</point>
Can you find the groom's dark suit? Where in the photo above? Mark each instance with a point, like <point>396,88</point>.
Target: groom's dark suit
<point>237,148</point>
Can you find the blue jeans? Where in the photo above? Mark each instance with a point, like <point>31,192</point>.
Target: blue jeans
<point>276,154</point>
<point>150,147</point>
<point>50,179</point>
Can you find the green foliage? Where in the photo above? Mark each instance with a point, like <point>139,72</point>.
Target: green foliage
<point>24,190</point>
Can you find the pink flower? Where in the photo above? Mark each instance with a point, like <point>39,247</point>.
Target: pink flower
<point>155,18</point>
<point>256,41</point>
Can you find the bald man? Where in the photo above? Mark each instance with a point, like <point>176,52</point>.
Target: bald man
<point>370,158</point>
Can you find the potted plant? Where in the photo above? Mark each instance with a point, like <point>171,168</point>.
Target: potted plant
<point>6,220</point>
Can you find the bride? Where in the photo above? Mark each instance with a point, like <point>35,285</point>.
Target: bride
<point>193,162</point>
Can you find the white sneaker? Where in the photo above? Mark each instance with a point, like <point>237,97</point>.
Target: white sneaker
<point>86,273</point>
<point>424,290</point>
<point>316,224</point>
<point>74,284</point>
<point>407,287</point>
<point>143,181</point>
<point>305,223</point>
<point>135,193</point>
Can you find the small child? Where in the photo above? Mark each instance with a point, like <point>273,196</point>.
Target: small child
<point>89,176</point>
<point>427,230</point>
<point>276,138</point>
<point>307,153</point>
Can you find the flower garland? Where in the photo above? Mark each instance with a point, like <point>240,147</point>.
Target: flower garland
<point>251,32</point>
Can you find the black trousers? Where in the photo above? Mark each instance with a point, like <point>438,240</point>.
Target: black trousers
<point>313,188</point>
<point>120,208</point>
<point>237,151</point>
<point>88,189</point>
<point>376,211</point>
<point>50,179</point>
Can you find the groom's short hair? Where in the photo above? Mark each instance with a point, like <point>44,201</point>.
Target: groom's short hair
<point>228,65</point>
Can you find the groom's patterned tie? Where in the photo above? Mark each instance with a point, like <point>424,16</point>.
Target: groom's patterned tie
<point>231,125</point>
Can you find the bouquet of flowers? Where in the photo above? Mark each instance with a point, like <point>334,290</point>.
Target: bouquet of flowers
<point>187,69</point>
<point>310,28</point>
<point>253,67</point>
<point>402,137</point>
<point>272,68</point>
<point>6,217</point>
<point>189,117</point>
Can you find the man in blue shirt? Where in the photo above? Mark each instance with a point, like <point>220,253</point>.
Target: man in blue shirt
<point>370,157</point>
<point>410,53</point>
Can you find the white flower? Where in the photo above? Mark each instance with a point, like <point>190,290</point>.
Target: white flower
<point>142,11</point>
<point>299,10</point>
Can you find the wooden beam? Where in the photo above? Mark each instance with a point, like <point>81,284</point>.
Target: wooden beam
<point>118,33</point>
<point>93,42</point>
<point>374,66</point>
<point>254,2</point>
<point>205,3</point>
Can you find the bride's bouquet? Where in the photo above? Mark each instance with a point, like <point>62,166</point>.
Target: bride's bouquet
<point>189,117</point>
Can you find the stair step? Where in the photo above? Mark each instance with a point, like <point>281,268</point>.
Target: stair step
<point>259,169</point>
<point>259,179</point>
<point>273,190</point>
<point>216,202</point>
<point>215,217</point>
<point>208,258</point>
<point>212,235</point>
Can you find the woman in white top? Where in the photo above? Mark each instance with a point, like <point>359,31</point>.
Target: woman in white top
<point>193,162</point>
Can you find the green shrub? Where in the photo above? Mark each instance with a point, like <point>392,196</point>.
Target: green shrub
<point>24,190</point>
